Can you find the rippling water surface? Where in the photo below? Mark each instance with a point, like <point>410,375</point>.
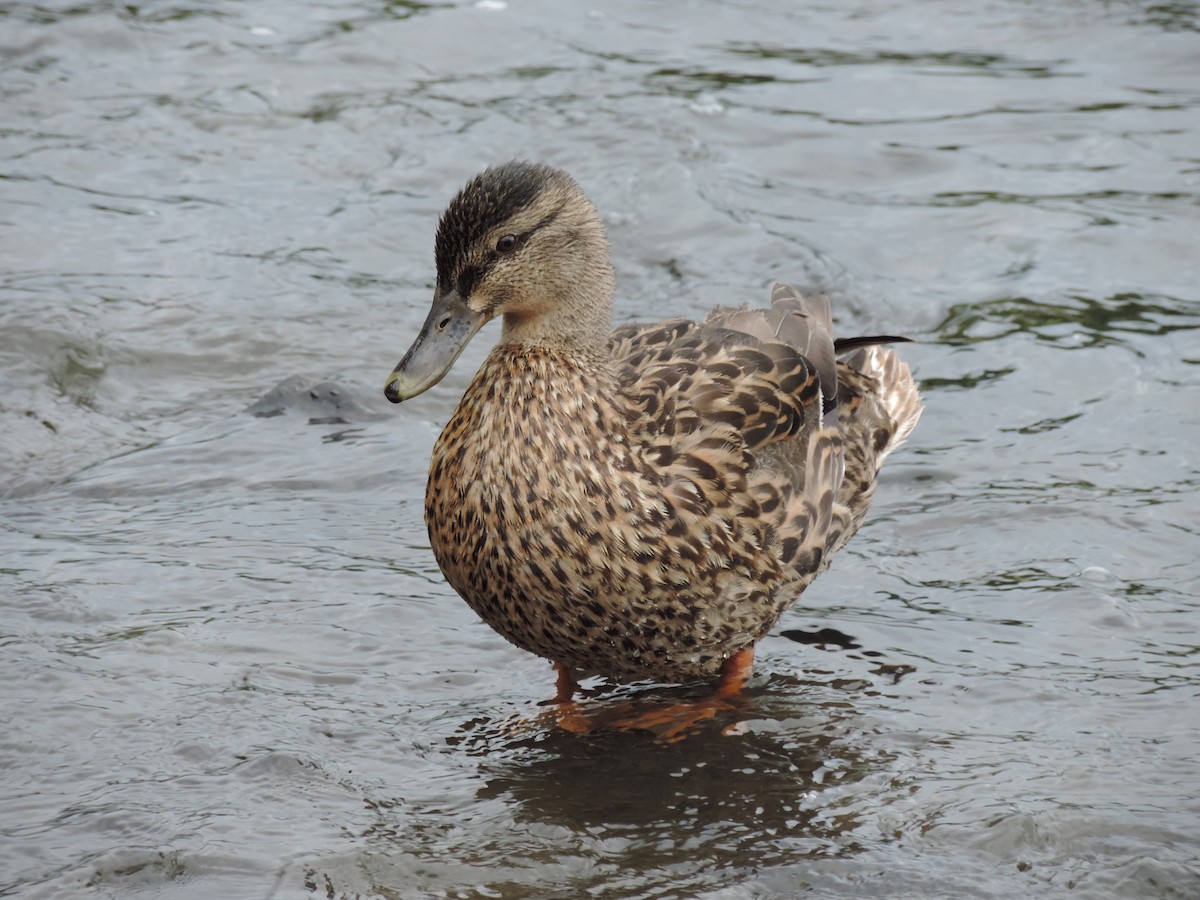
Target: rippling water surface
<point>230,667</point>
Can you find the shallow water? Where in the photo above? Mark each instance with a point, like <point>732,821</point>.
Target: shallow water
<point>230,666</point>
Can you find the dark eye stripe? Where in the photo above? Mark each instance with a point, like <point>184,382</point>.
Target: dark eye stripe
<point>472,275</point>
<point>546,220</point>
<point>468,278</point>
<point>524,237</point>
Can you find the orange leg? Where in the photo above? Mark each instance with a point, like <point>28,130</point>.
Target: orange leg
<point>566,712</point>
<point>566,683</point>
<point>735,672</point>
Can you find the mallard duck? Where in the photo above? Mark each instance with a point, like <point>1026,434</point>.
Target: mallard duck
<point>641,503</point>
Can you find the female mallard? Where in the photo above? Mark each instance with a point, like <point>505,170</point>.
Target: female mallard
<point>644,502</point>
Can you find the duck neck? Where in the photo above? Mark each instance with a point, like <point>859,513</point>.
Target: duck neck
<point>578,323</point>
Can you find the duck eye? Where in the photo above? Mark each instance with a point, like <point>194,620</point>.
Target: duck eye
<point>507,244</point>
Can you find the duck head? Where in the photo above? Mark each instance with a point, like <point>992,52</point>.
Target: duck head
<point>523,242</point>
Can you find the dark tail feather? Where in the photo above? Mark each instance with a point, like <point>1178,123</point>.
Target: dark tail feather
<point>845,345</point>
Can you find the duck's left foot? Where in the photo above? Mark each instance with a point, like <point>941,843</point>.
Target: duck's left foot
<point>673,723</point>
<point>668,724</point>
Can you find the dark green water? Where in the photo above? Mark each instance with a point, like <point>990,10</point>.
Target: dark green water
<point>229,666</point>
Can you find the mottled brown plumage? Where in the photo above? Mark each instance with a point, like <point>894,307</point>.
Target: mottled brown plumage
<point>644,502</point>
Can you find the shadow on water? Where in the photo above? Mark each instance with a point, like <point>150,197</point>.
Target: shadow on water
<point>796,783</point>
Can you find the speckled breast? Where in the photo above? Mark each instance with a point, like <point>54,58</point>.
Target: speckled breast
<point>557,537</point>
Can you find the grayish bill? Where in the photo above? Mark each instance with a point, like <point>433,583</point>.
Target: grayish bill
<point>448,328</point>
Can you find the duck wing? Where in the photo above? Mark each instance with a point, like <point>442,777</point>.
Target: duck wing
<point>682,377</point>
<point>728,414</point>
<point>762,414</point>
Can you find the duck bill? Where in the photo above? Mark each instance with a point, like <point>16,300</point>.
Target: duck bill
<point>448,328</point>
